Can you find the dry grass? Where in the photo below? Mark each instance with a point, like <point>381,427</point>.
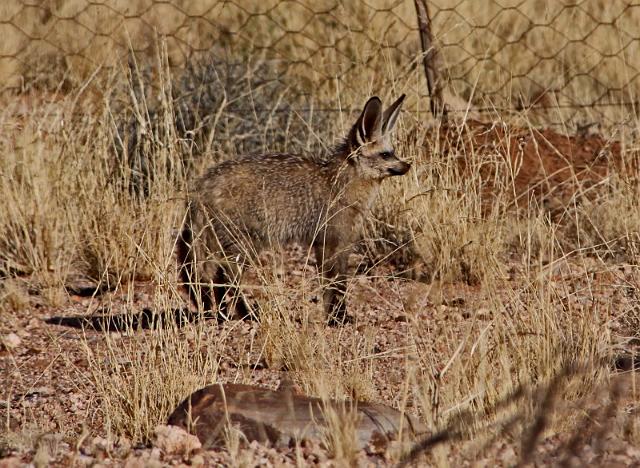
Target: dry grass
<point>340,436</point>
<point>510,368</point>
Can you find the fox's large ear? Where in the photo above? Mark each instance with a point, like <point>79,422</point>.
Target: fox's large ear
<point>391,115</point>
<point>369,124</point>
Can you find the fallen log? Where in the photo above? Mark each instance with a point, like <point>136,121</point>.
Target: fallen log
<point>282,417</point>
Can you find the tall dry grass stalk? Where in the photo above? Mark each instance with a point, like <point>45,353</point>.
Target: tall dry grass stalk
<point>142,376</point>
<point>70,209</point>
<point>294,337</point>
<point>340,436</point>
<point>528,334</point>
<point>68,204</point>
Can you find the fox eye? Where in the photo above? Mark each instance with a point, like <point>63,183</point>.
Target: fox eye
<point>386,155</point>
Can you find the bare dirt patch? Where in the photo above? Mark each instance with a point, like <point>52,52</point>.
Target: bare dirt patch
<point>50,394</point>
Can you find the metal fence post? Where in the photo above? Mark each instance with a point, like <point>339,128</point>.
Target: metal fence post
<point>430,60</point>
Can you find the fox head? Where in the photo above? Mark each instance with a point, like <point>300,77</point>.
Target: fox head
<point>371,147</point>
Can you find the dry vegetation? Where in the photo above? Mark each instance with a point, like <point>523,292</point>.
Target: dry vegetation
<point>542,52</point>
<point>502,318</point>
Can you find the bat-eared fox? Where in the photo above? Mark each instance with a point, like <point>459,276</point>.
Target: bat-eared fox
<point>249,203</point>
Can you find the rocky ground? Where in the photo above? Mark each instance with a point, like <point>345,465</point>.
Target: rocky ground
<point>53,413</point>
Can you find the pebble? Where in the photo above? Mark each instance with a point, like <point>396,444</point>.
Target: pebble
<point>11,341</point>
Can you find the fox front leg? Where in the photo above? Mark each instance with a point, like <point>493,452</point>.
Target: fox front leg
<point>333,270</point>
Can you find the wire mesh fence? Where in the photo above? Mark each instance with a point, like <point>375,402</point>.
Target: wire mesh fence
<point>573,61</point>
<point>569,61</point>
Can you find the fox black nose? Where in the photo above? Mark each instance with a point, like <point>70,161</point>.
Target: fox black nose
<point>399,169</point>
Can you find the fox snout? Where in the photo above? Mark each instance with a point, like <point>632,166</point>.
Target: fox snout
<point>400,168</point>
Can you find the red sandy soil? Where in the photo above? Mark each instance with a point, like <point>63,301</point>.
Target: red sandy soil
<point>550,167</point>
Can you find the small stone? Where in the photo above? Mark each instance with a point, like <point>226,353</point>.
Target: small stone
<point>122,448</point>
<point>141,462</point>
<point>483,314</point>
<point>97,447</point>
<point>197,460</point>
<point>11,462</point>
<point>11,341</point>
<point>173,440</point>
<point>84,460</point>
<point>34,324</point>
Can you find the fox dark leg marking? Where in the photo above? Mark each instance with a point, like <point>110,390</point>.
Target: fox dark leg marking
<point>332,267</point>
